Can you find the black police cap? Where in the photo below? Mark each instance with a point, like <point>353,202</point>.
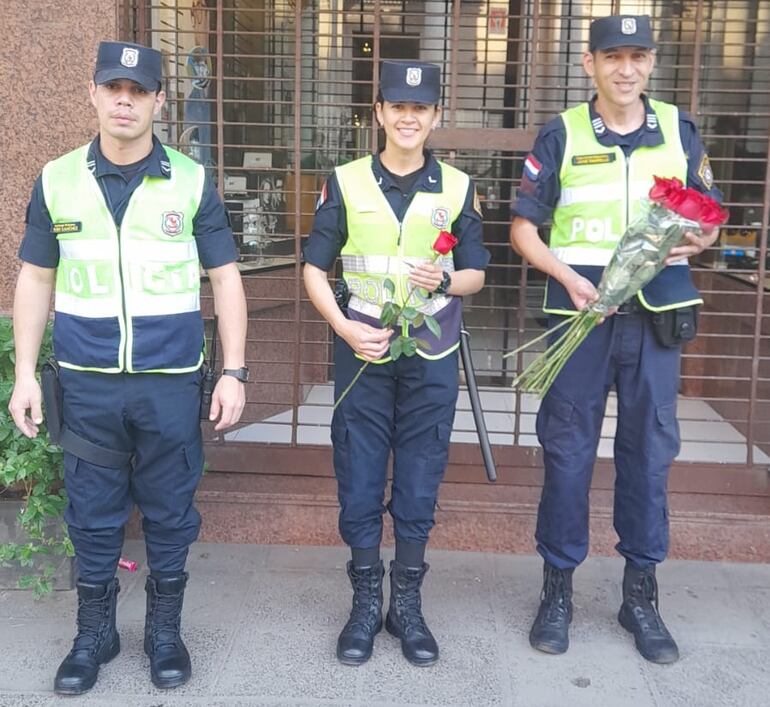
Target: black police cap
<point>123,60</point>
<point>621,31</point>
<point>410,82</point>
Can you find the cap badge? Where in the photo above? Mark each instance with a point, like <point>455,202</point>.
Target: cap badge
<point>628,25</point>
<point>173,222</point>
<point>414,76</point>
<point>130,57</point>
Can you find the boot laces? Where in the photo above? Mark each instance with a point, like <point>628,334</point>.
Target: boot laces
<point>166,620</point>
<point>92,622</point>
<point>365,609</point>
<point>554,596</point>
<point>410,604</point>
<point>645,608</point>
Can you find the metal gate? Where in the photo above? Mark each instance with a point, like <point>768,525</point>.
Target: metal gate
<point>271,94</point>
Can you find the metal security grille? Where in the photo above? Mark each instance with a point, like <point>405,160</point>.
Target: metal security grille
<point>271,94</point>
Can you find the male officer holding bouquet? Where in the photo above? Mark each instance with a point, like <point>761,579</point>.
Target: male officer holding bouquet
<point>119,229</point>
<point>588,172</point>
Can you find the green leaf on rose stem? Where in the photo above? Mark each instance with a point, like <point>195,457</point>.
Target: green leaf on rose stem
<point>389,314</point>
<point>396,348</point>
<point>422,344</point>
<point>418,320</point>
<point>433,325</point>
<point>409,313</point>
<point>410,346</point>
<point>389,286</point>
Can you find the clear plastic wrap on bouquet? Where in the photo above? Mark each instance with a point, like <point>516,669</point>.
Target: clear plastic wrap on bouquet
<point>641,254</point>
<point>670,212</point>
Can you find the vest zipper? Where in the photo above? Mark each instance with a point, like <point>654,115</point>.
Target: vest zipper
<point>124,353</point>
<point>122,325</point>
<point>627,162</point>
<point>404,325</point>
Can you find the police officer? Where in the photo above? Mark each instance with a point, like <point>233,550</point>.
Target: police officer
<point>119,228</point>
<point>383,213</point>
<point>588,171</point>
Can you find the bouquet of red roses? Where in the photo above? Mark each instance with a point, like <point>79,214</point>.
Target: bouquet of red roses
<point>640,255</point>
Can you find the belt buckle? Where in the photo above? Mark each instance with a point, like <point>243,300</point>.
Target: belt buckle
<point>632,306</point>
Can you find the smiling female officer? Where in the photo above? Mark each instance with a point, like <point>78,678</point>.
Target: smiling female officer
<point>383,213</point>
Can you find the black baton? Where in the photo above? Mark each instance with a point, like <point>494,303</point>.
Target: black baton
<point>209,374</point>
<point>478,413</point>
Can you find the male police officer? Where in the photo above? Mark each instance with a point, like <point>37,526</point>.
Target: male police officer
<point>119,227</point>
<point>383,214</point>
<point>589,170</point>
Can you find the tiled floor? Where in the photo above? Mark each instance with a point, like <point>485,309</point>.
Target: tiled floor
<point>706,436</point>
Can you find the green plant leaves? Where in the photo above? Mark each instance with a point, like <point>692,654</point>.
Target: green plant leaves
<point>389,314</point>
<point>34,467</point>
<point>389,286</point>
<point>433,326</point>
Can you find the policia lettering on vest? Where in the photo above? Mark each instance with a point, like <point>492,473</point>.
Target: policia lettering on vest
<point>119,228</point>
<point>382,214</point>
<point>588,171</point>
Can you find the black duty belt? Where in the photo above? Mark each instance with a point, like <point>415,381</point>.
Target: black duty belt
<point>633,306</point>
<point>62,435</point>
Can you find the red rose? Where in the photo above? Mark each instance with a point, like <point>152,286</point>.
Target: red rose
<point>690,204</point>
<point>664,188</point>
<point>445,242</point>
<point>687,202</point>
<point>712,214</point>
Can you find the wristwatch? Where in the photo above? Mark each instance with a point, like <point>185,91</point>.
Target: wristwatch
<point>444,285</point>
<point>242,373</point>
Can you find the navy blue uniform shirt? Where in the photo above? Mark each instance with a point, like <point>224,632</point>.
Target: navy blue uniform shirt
<point>330,226</point>
<point>211,225</point>
<point>540,187</point>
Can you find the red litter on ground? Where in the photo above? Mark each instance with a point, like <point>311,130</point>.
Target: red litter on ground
<point>129,565</point>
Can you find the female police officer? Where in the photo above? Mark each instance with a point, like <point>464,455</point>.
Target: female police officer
<point>382,213</point>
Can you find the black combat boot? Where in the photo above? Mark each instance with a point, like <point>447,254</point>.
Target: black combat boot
<point>550,631</point>
<point>169,659</point>
<point>639,615</point>
<point>97,640</point>
<point>405,619</point>
<point>354,646</point>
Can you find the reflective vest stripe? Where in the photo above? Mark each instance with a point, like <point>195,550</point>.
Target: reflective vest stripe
<point>430,307</point>
<point>590,256</point>
<point>390,264</point>
<point>89,307</point>
<point>86,249</point>
<point>162,252</point>
<point>152,305</point>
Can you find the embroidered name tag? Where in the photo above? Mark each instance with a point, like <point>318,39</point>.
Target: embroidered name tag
<point>601,158</point>
<point>68,227</point>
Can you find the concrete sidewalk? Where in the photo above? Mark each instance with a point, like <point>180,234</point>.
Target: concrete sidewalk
<point>261,624</point>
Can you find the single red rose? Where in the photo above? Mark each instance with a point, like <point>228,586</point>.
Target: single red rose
<point>445,242</point>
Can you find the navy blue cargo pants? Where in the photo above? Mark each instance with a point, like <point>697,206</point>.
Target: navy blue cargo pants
<point>622,351</point>
<point>407,407</point>
<point>155,417</point>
